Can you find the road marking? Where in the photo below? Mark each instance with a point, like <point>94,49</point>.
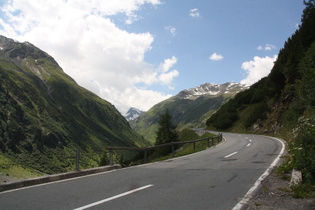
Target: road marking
<point>114,197</point>
<point>255,187</point>
<point>247,145</point>
<point>230,155</point>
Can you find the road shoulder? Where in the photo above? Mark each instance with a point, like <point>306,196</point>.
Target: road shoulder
<point>275,194</point>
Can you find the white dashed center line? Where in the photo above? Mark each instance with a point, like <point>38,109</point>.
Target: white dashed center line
<point>114,197</point>
<point>230,155</point>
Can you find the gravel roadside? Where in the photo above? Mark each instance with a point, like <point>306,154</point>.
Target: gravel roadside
<point>275,194</point>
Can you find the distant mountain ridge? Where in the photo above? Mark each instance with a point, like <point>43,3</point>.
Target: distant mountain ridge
<point>190,108</point>
<point>211,89</point>
<point>45,116</point>
<point>133,113</point>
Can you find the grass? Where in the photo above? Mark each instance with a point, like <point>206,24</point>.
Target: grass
<point>10,168</point>
<point>283,189</point>
<point>187,149</point>
<point>304,190</point>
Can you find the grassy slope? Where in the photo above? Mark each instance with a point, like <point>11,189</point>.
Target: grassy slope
<point>185,114</point>
<point>46,116</point>
<point>184,135</point>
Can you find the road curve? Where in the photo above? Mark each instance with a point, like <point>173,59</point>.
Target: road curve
<point>217,178</point>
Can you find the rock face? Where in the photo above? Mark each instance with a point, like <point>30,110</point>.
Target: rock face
<point>210,89</point>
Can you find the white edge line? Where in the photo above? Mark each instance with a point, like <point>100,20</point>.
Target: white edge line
<point>251,191</point>
<point>113,197</point>
<point>58,181</point>
<point>230,155</point>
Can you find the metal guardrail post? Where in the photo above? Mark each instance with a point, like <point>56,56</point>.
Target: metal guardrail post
<point>173,151</point>
<point>145,156</point>
<point>77,167</point>
<point>110,157</point>
<point>194,145</point>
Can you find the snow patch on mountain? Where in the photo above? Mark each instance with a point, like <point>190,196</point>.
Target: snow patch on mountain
<point>212,89</point>
<point>132,113</point>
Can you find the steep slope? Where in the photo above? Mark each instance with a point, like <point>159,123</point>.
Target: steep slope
<point>189,109</point>
<point>45,116</point>
<point>284,102</point>
<point>266,105</point>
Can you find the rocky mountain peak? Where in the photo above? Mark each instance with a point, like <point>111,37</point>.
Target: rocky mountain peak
<point>132,113</point>
<point>212,89</point>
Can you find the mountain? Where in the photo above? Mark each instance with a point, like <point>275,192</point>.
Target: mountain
<point>45,116</point>
<point>132,113</point>
<point>283,103</point>
<point>189,109</point>
<point>210,89</point>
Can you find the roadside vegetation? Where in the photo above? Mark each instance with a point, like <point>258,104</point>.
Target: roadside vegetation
<point>282,104</point>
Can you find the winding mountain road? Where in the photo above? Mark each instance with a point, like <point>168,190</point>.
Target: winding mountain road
<point>217,178</point>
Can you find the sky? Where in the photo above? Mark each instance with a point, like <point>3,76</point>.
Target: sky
<point>137,53</point>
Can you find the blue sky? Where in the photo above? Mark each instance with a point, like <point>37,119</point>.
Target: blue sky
<point>136,53</point>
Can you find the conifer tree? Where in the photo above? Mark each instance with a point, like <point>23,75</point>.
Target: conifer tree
<point>166,133</point>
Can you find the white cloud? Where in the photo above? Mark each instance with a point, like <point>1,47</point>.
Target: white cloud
<point>167,78</point>
<point>168,64</point>
<point>141,98</point>
<point>171,29</point>
<point>216,57</point>
<point>194,12</point>
<point>87,44</point>
<point>260,48</point>
<point>267,47</point>
<point>257,68</point>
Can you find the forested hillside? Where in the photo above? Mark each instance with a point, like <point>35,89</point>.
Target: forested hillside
<point>284,102</point>
<point>45,116</point>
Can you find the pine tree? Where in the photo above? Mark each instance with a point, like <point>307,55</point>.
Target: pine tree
<point>166,133</point>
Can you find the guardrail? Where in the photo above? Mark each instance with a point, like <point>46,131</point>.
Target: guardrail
<point>172,144</point>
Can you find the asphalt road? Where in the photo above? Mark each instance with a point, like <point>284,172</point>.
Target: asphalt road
<point>217,178</point>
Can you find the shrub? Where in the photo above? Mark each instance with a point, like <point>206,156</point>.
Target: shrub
<point>259,112</point>
<point>302,150</point>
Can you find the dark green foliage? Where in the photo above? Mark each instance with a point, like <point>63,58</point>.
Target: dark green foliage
<point>104,159</point>
<point>166,133</point>
<point>187,135</point>
<point>258,113</point>
<point>302,150</point>
<point>225,116</point>
<point>301,114</point>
